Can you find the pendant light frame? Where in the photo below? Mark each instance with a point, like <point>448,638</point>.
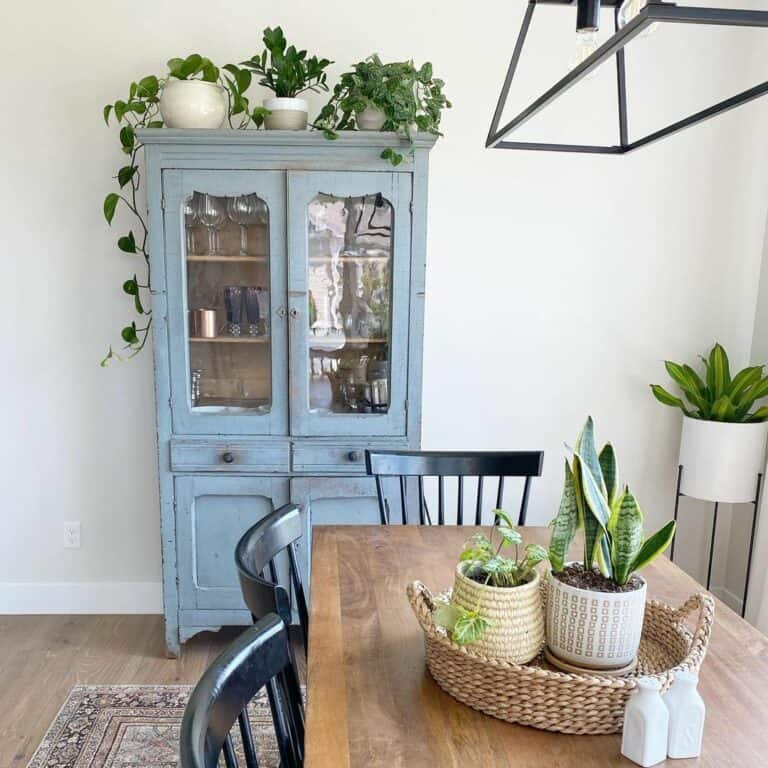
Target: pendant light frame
<point>654,12</point>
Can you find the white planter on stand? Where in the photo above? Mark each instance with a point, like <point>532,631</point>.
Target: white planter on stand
<point>721,460</point>
<point>193,104</point>
<point>286,114</point>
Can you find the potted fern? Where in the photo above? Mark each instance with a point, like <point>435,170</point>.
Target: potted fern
<point>495,605</point>
<point>722,447</point>
<point>287,72</point>
<point>595,608</point>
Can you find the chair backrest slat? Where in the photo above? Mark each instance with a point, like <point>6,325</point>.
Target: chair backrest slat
<point>255,556</point>
<point>259,658</point>
<point>443,464</point>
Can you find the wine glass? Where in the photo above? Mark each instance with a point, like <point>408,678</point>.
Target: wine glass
<point>211,214</point>
<point>190,216</point>
<point>243,210</point>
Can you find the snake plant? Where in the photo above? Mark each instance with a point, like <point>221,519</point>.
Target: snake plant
<point>611,518</point>
<point>716,396</point>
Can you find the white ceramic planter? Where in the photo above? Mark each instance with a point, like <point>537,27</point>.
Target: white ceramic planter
<point>596,630</point>
<point>721,461</point>
<point>193,104</point>
<point>370,119</point>
<point>286,114</point>
<point>516,633</point>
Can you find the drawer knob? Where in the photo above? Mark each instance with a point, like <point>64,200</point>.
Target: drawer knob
<point>354,456</point>
<point>228,457</point>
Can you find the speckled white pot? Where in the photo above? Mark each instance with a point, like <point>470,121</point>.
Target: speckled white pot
<point>596,630</point>
<point>193,104</point>
<point>370,119</point>
<point>286,114</point>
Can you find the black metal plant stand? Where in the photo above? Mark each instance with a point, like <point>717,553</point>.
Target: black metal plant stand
<point>755,505</point>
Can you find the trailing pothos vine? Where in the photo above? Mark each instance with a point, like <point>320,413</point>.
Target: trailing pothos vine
<point>141,110</point>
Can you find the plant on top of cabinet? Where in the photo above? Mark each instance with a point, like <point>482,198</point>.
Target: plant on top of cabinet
<point>288,73</point>
<point>495,605</point>
<point>144,108</point>
<point>722,449</point>
<point>390,97</point>
<point>614,539</point>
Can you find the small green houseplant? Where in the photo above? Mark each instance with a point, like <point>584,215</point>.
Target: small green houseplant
<point>495,605</point>
<point>722,448</point>
<point>288,73</point>
<point>396,96</point>
<point>141,109</point>
<point>614,540</point>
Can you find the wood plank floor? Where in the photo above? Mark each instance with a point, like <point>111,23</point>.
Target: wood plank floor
<point>42,657</point>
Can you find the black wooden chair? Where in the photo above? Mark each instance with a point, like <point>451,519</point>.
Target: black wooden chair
<point>440,464</point>
<point>255,560</point>
<point>259,658</point>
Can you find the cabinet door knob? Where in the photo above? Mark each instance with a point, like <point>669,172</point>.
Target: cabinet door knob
<point>293,312</point>
<point>280,312</point>
<point>354,455</point>
<point>228,457</point>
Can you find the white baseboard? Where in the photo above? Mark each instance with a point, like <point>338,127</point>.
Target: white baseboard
<point>731,599</point>
<point>23,597</point>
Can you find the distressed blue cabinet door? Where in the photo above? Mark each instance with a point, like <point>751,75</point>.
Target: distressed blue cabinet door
<point>212,513</point>
<point>349,253</point>
<point>226,284</point>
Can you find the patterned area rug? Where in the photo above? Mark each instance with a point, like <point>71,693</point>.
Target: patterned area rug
<point>136,726</point>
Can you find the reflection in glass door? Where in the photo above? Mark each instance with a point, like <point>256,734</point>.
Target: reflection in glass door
<point>226,245</point>
<point>350,301</point>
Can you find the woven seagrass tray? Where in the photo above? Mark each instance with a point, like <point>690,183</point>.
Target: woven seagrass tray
<point>536,694</point>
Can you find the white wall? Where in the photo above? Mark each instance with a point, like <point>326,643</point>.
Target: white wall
<point>556,283</point>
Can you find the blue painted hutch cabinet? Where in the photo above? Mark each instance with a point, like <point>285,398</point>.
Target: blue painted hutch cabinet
<point>287,305</point>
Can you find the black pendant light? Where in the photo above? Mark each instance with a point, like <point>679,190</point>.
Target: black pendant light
<point>630,20</point>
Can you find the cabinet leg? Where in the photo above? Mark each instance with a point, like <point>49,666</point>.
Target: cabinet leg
<point>172,644</point>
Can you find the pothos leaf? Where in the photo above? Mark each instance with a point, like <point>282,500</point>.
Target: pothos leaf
<point>110,204</point>
<point>127,243</point>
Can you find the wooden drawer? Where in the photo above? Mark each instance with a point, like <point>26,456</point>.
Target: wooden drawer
<point>324,457</point>
<point>236,456</point>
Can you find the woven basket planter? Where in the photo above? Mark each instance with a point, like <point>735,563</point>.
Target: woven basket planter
<point>517,620</point>
<point>536,695</point>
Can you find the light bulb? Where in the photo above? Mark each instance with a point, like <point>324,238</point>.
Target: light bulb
<point>586,45</point>
<point>628,10</point>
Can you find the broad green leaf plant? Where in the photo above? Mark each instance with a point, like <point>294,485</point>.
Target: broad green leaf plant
<point>141,110</point>
<point>716,396</point>
<point>610,516</point>
<point>486,564</point>
<point>286,71</point>
<point>411,99</point>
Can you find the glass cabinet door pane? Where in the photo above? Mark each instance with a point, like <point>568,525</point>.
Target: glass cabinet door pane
<point>226,246</point>
<point>350,301</point>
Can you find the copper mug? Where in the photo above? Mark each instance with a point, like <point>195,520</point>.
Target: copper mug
<point>203,323</point>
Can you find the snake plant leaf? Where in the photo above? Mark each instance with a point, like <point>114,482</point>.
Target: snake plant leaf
<point>565,524</point>
<point>627,537</point>
<point>587,453</point>
<point>723,409</point>
<point>592,532</point>
<point>653,547</point>
<point>761,414</point>
<point>718,373</point>
<point>610,471</point>
<point>595,496</point>
<point>666,398</point>
<point>602,554</point>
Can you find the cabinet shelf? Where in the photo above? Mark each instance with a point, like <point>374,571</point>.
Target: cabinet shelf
<point>316,342</point>
<point>223,259</point>
<point>345,259</point>
<point>230,340</point>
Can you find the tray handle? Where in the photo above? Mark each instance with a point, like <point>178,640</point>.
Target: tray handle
<point>706,608</point>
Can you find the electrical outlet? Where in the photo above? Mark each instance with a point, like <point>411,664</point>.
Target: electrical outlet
<point>72,534</point>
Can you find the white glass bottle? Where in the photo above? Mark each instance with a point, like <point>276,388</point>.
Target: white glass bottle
<point>646,724</point>
<point>686,716</point>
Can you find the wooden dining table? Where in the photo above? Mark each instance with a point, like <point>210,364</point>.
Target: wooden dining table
<point>371,701</point>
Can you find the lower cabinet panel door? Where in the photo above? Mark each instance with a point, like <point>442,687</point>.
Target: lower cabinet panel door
<point>211,515</point>
<point>332,501</point>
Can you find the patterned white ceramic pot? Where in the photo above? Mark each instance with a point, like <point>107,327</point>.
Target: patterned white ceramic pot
<point>286,114</point>
<point>516,633</point>
<point>595,630</point>
<point>193,104</point>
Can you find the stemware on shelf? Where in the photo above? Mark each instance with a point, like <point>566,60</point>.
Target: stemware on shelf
<point>244,210</point>
<point>233,301</point>
<point>190,217</point>
<point>211,213</point>
<point>251,295</point>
